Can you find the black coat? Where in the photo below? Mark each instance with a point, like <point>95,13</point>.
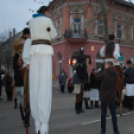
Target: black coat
<point>93,82</point>
<point>18,80</point>
<point>109,79</point>
<point>129,76</point>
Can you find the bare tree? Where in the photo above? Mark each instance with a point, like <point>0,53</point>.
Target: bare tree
<point>105,19</point>
<point>5,35</point>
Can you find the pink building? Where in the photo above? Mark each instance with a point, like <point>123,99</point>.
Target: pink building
<point>79,23</point>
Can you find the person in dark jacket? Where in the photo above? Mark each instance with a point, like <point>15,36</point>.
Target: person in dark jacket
<point>8,87</point>
<point>129,83</point>
<point>94,89</point>
<point>109,79</point>
<point>62,80</point>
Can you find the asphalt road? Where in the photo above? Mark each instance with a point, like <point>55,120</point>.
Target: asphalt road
<point>63,118</point>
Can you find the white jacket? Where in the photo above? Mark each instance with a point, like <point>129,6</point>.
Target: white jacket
<point>26,52</point>
<point>38,28</point>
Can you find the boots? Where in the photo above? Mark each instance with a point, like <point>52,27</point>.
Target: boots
<point>15,103</point>
<point>86,104</point>
<point>130,103</point>
<point>80,107</point>
<point>22,113</point>
<point>91,103</point>
<point>97,104</point>
<point>77,108</point>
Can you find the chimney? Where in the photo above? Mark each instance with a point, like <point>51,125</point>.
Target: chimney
<point>14,32</point>
<point>10,35</point>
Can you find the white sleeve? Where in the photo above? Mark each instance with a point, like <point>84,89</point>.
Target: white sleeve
<point>26,51</point>
<point>102,51</point>
<point>116,53</point>
<point>53,33</point>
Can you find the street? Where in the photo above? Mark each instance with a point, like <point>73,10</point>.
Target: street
<point>63,118</point>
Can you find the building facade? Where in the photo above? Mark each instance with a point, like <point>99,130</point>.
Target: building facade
<point>80,23</point>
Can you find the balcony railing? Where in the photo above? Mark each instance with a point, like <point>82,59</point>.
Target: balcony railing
<point>75,34</point>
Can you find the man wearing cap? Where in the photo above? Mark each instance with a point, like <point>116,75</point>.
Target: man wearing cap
<point>18,73</point>
<point>129,83</point>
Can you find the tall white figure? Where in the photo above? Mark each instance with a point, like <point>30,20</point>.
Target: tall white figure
<point>42,32</point>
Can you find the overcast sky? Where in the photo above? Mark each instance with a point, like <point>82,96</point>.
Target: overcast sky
<point>15,13</point>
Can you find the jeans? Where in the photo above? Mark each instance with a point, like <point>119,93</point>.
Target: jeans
<point>112,106</point>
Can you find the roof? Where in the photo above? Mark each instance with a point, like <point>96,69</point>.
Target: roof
<point>125,3</point>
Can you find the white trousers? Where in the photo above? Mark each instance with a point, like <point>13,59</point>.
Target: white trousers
<point>20,95</point>
<point>94,94</point>
<point>130,89</point>
<point>41,90</point>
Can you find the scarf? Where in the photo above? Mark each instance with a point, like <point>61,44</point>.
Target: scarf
<point>39,15</point>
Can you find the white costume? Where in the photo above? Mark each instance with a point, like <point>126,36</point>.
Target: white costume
<point>116,54</point>
<point>41,73</point>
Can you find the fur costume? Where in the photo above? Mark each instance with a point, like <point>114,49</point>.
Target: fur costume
<point>120,83</point>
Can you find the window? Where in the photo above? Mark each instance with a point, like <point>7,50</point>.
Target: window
<point>58,28</point>
<point>100,27</point>
<point>119,31</point>
<point>77,27</point>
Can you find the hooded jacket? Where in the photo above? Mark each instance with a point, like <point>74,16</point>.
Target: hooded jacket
<point>109,79</point>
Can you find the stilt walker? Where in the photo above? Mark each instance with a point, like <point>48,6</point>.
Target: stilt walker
<point>18,73</point>
<point>80,78</point>
<point>111,52</point>
<point>42,32</point>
